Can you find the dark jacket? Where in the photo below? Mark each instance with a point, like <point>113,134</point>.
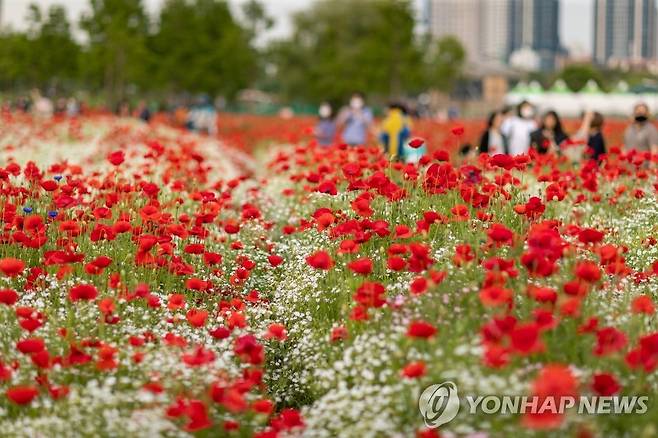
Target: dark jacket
<point>596,143</point>
<point>538,140</point>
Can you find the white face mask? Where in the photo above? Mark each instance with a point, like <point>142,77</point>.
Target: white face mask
<point>527,112</point>
<point>356,103</point>
<point>325,111</point>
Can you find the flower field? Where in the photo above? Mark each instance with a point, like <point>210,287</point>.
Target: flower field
<point>158,283</point>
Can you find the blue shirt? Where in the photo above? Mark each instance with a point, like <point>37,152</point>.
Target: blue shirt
<point>356,126</point>
<point>325,131</point>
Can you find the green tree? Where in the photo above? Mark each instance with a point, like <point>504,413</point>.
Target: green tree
<point>256,18</point>
<point>15,57</point>
<point>445,63</point>
<point>53,54</point>
<point>577,75</point>
<point>116,52</point>
<point>45,55</point>
<point>200,47</point>
<point>340,46</point>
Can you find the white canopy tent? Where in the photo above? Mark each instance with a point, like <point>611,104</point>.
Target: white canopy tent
<point>619,102</point>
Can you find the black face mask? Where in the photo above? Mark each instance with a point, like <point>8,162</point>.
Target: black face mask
<point>641,119</point>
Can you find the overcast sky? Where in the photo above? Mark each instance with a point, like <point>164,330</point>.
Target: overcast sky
<point>575,20</point>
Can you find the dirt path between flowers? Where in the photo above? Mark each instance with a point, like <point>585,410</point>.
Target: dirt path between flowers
<point>87,143</point>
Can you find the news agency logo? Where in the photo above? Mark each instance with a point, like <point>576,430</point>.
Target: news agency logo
<point>440,403</point>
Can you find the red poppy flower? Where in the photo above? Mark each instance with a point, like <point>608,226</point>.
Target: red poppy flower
<point>605,384</point>
<point>496,296</point>
<point>276,331</point>
<point>275,260</point>
<point>263,406</point>
<point>287,419</point>
<point>116,158</point>
<point>457,130</point>
<point>49,185</point>
<point>197,414</point>
<point>338,333</point>
<point>499,233</point>
<point>361,266</point>
<point>22,395</point>
<point>196,317</point>
<point>8,297</point>
<point>502,160</point>
<point>588,271</point>
<point>249,350</point>
<point>396,263</point>
<point>320,260</point>
<point>609,340</point>
<point>421,329</point>
<point>555,381</point>
<point>85,292</point>
<point>11,267</point>
<point>232,227</point>
<point>370,294</point>
<point>418,285</point>
<point>414,370</point>
<point>525,338</point>
<point>643,304</point>
<point>197,284</point>
<point>31,345</point>
<point>590,235</point>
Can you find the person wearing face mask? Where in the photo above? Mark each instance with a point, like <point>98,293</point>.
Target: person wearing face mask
<point>517,128</point>
<point>641,135</point>
<point>355,121</point>
<point>325,129</point>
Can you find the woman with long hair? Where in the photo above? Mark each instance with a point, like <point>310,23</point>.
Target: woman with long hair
<point>493,141</point>
<point>550,134</point>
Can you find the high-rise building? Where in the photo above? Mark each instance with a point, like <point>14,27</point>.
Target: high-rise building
<point>535,25</point>
<point>494,23</point>
<point>624,30</point>
<point>490,30</point>
<point>458,18</point>
<point>480,25</point>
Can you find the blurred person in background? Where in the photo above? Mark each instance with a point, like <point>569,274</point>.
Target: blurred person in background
<point>72,107</point>
<point>142,111</point>
<point>595,140</point>
<point>518,127</point>
<point>493,141</point>
<point>395,131</point>
<point>60,106</point>
<point>590,133</point>
<point>43,107</point>
<point>23,104</point>
<point>550,134</point>
<point>641,135</point>
<point>325,128</point>
<point>123,109</point>
<point>355,121</point>
<point>203,116</point>
<point>180,115</point>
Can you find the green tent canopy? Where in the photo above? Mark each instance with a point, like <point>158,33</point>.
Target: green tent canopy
<point>520,88</point>
<point>535,88</point>
<point>591,87</point>
<point>559,86</point>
